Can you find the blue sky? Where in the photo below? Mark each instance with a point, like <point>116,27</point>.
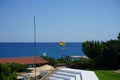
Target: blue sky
<point>57,20</point>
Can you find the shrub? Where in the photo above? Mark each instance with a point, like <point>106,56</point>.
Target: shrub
<point>18,67</point>
<point>6,73</point>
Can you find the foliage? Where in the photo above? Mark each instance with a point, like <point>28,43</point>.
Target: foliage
<point>67,61</point>
<point>118,36</point>
<point>6,73</point>
<point>85,63</point>
<point>51,60</point>
<point>105,55</point>
<point>64,59</point>
<point>111,54</point>
<point>92,49</point>
<point>107,75</point>
<point>18,67</point>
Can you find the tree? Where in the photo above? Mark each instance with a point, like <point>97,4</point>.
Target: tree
<point>105,55</point>
<point>118,36</point>
<point>112,53</point>
<point>92,49</point>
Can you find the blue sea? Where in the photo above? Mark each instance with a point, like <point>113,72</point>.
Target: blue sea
<point>51,49</point>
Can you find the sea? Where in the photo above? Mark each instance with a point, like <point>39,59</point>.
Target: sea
<point>50,49</point>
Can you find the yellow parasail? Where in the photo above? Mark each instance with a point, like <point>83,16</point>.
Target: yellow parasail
<point>62,43</point>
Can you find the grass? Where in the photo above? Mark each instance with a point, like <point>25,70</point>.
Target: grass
<point>107,75</point>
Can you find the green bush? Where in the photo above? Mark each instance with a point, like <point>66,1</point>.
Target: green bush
<point>81,64</point>
<point>18,67</point>
<point>51,60</point>
<point>6,73</point>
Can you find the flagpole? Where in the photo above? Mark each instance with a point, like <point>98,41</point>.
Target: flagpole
<point>35,46</point>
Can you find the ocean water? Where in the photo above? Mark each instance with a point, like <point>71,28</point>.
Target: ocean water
<point>51,49</point>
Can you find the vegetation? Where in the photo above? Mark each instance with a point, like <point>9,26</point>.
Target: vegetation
<point>107,75</point>
<point>105,55</point>
<point>18,67</point>
<point>8,71</point>
<point>51,60</point>
<point>67,61</point>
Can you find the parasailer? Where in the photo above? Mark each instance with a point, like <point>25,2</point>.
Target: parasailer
<point>62,44</point>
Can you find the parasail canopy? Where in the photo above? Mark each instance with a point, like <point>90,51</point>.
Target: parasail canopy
<point>62,43</point>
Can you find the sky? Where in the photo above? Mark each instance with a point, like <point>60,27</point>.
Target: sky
<point>59,20</point>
